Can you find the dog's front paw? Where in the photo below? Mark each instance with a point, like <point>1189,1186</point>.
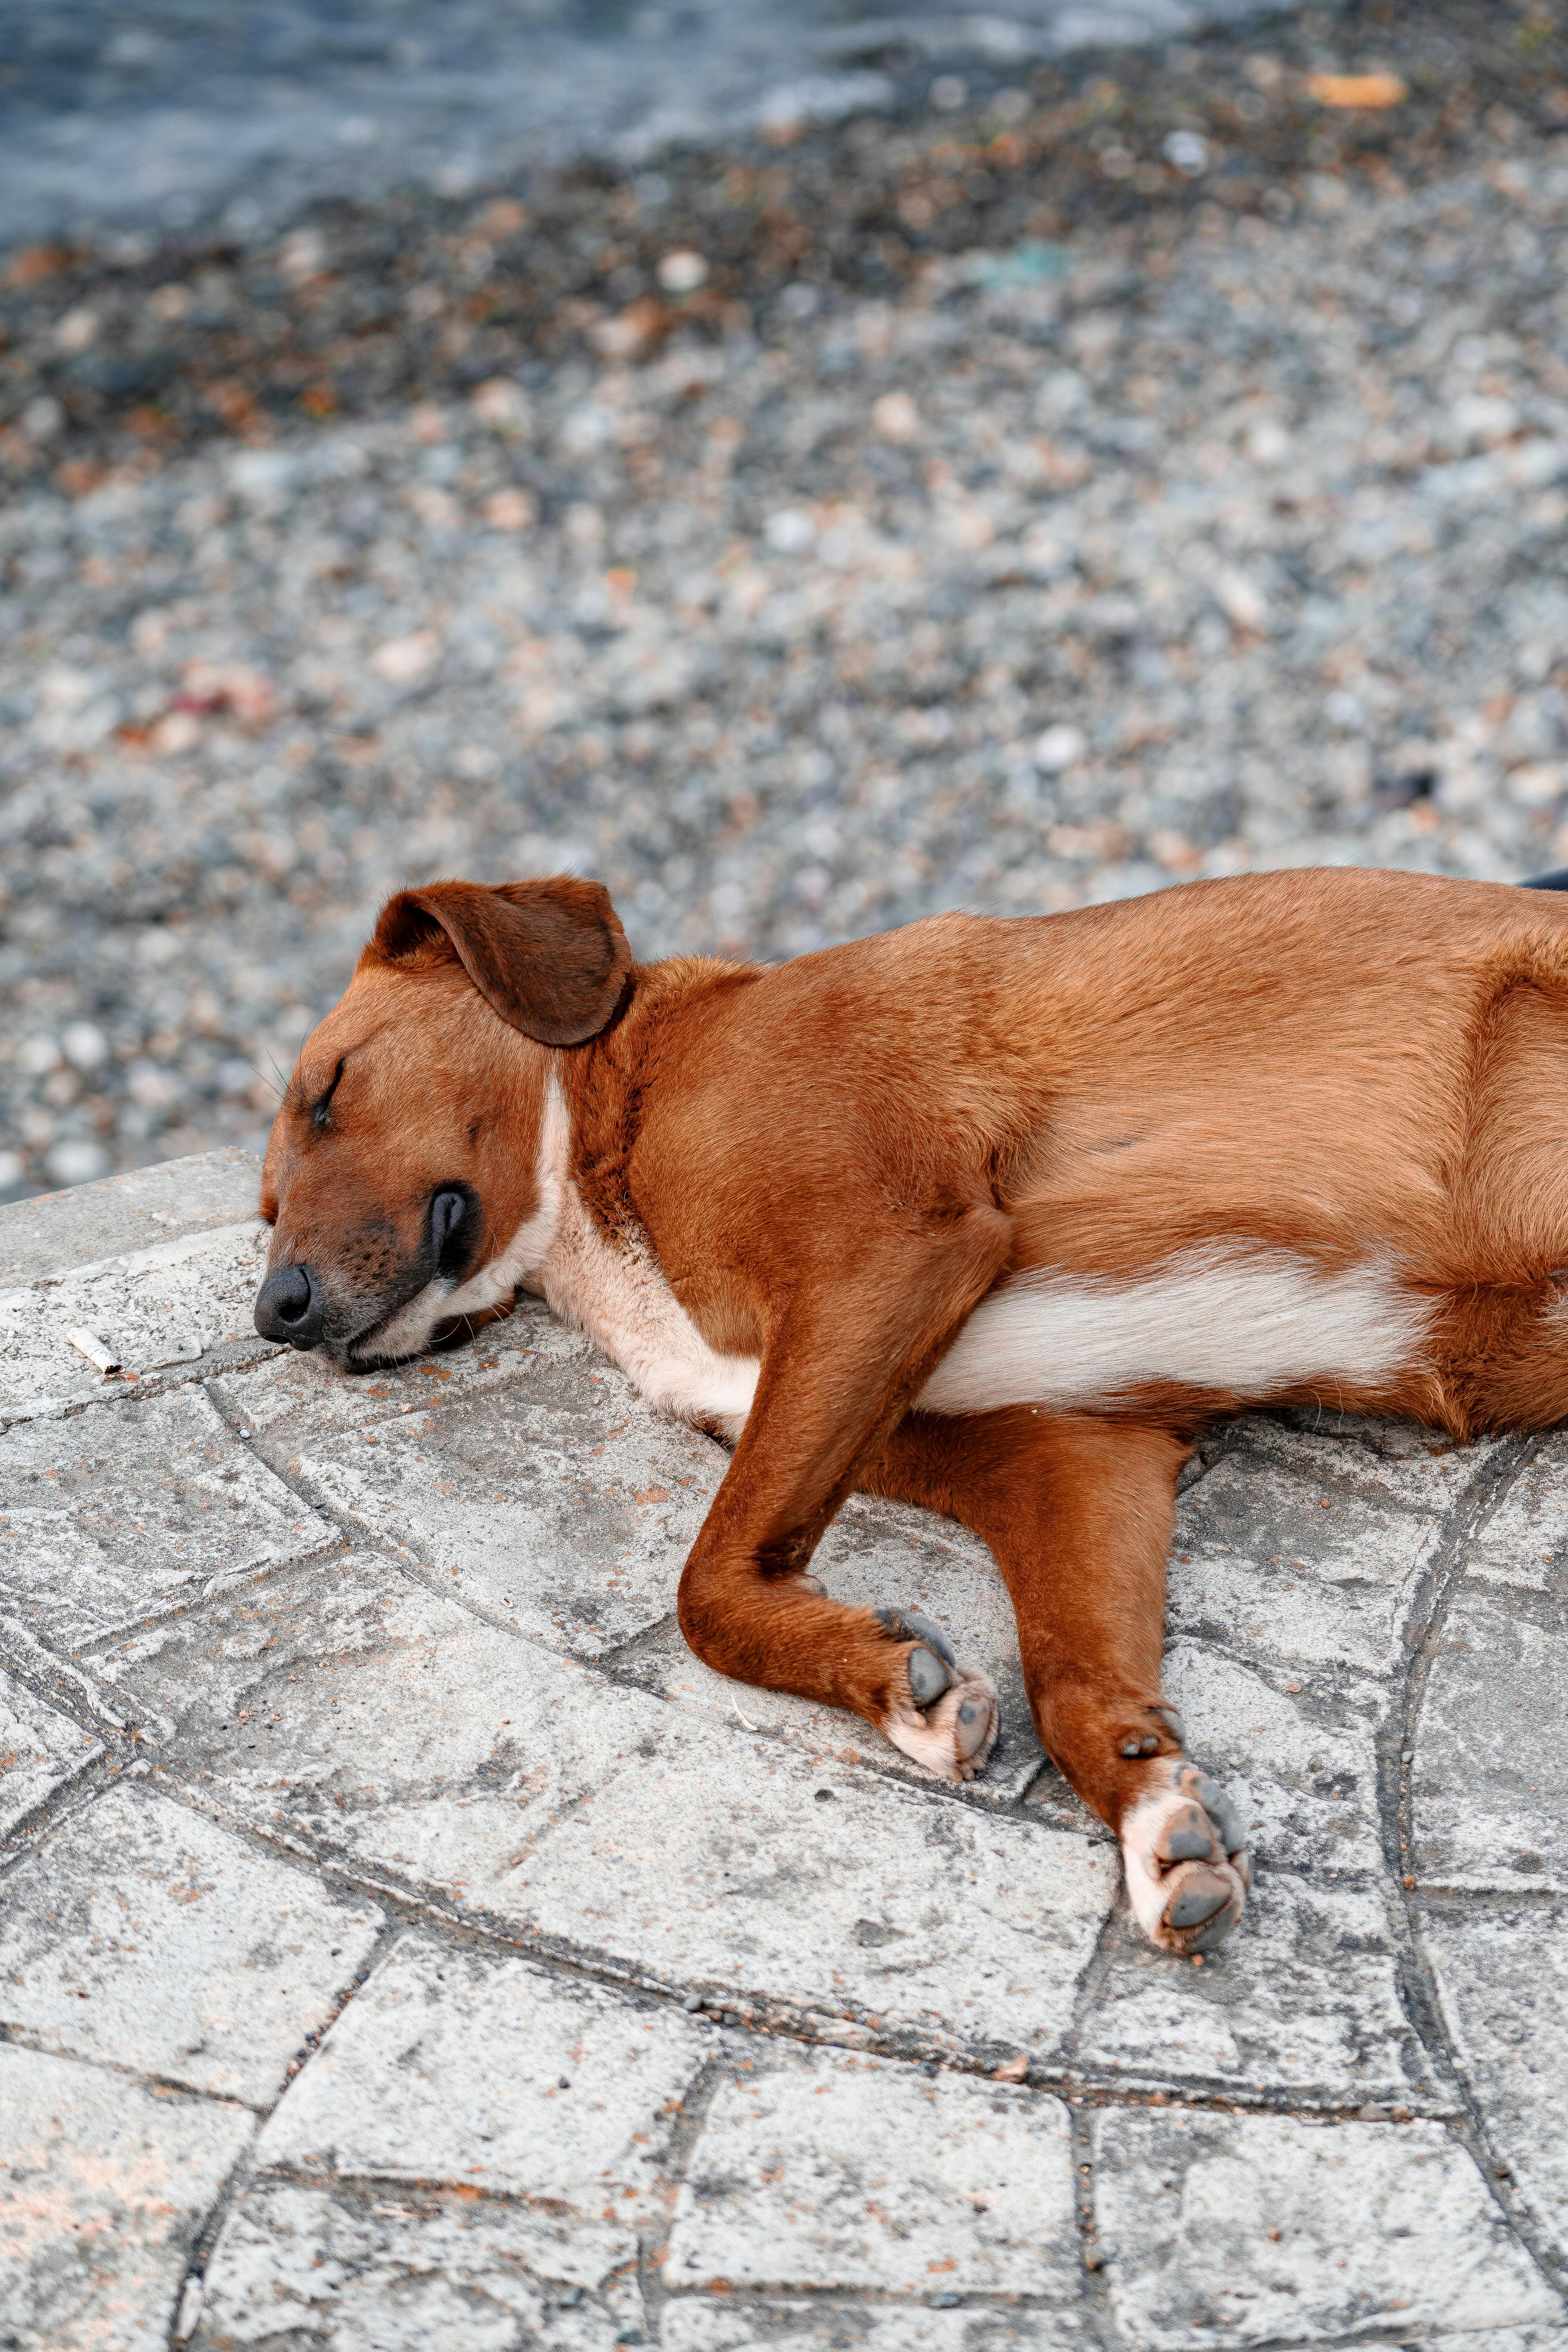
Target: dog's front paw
<point>1183,1846</point>
<point>943,1713</point>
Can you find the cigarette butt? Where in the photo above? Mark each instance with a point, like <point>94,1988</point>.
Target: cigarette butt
<point>93,1349</point>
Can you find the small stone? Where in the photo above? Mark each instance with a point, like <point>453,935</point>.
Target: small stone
<point>1188,150</point>
<point>402,661</point>
<point>896,417</point>
<point>683,270</point>
<point>1059,748</point>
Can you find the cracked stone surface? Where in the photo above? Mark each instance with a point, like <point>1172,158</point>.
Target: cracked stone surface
<point>144,1935</point>
<point>40,1751</point>
<point>107,2183</point>
<point>405,1942</point>
<point>1273,2229</point>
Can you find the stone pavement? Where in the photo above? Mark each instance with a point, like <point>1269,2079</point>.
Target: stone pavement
<point>406,1943</point>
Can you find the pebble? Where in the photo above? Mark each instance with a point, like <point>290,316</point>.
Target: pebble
<point>1222,527</point>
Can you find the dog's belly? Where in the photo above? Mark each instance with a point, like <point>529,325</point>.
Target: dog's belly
<point>1249,1322</point>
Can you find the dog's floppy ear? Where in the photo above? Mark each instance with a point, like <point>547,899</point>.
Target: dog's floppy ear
<point>550,956</point>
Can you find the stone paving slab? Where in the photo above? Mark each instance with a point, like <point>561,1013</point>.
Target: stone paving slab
<point>1524,1539</point>
<point>1503,1978</point>
<point>106,2185</point>
<point>465,2069</point>
<point>146,1936</point>
<point>1301,1762</point>
<point>54,1232</point>
<point>113,1514</point>
<point>353,1813</point>
<point>1487,1780</point>
<point>1282,1568</point>
<point>837,2171</point>
<point>1280,2231</point>
<point>1311,2000</point>
<point>71,1338</point>
<point>394,2271</point>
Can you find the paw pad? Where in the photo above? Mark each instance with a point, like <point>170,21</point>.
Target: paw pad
<point>950,1720</point>
<point>1185,1846</point>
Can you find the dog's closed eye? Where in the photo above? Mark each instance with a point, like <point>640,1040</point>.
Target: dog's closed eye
<point>321,1109</point>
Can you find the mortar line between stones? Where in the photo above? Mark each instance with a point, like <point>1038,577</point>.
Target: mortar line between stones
<point>1093,2291</point>
<point>430,1913</point>
<point>61,1804</point>
<point>1422,1631</point>
<point>187,2311</point>
<point>712,2074</point>
<point>22,2037</point>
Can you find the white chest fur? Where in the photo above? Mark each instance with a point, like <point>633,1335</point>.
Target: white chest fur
<point>616,1293</point>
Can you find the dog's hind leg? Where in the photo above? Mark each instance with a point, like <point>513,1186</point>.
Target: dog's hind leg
<point>1078,1513</point>
<point>856,1342</point>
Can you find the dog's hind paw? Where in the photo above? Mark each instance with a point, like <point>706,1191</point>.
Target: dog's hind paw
<point>945,1716</point>
<point>1183,1846</point>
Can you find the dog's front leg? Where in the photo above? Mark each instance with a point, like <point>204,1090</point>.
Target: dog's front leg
<point>856,1341</point>
<point>1078,1513</point>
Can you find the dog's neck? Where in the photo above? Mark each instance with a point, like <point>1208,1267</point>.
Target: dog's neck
<point>583,1248</point>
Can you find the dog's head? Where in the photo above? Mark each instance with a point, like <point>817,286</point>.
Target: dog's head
<point>403,1159</point>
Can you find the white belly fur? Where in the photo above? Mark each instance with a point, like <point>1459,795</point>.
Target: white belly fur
<point>1250,1320</point>
<point>1239,1318</point>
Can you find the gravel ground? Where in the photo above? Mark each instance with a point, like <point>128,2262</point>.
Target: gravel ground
<point>125,122</point>
<point>1157,472</point>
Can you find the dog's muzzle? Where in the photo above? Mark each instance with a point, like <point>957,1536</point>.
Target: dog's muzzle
<point>289,1306</point>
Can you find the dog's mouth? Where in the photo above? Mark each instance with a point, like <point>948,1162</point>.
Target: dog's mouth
<point>422,1309</point>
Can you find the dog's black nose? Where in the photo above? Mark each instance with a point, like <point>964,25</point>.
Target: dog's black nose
<point>289,1305</point>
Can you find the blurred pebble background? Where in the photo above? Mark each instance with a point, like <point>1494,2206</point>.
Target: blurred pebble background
<point>1082,473</point>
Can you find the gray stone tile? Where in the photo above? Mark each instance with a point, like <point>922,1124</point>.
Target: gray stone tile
<point>555,1499</point>
<point>778,2325</point>
<point>387,1725</point>
<point>1284,1569</point>
<point>875,1553</point>
<point>1304,1997</point>
<point>158,1312</point>
<point>336,2271</point>
<point>40,1750</point>
<point>1487,1782</point>
<point>296,1402</point>
<point>1301,1764</point>
<point>491,2074</point>
<point>115,1514</point>
<point>1503,1978</point>
<point>552,1535</point>
<point>1398,1463</point>
<point>1275,2229</point>
<point>105,2188</point>
<point>837,2171</point>
<point>1524,1541</point>
<point>143,1935</point>
<point>135,1210</point>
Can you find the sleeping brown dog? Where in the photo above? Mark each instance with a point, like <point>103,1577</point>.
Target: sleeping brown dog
<point>993,1216</point>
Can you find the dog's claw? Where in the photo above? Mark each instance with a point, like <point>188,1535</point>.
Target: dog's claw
<point>929,1678</point>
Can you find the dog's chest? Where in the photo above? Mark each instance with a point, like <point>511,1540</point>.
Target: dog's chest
<point>615,1291</point>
